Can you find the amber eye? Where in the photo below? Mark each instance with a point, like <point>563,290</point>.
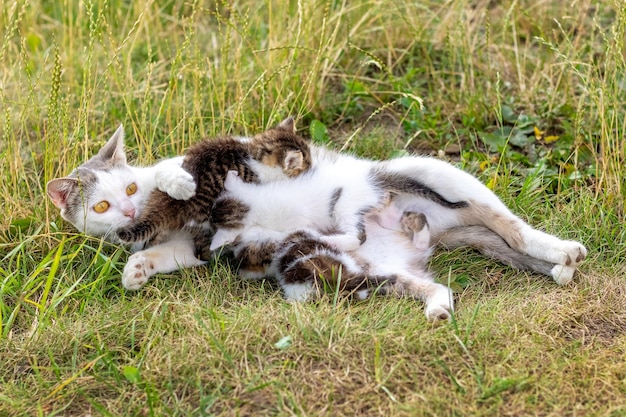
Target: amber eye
<point>131,189</point>
<point>101,207</point>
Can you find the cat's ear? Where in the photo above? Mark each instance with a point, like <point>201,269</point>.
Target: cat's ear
<point>223,237</point>
<point>113,150</point>
<point>288,124</point>
<point>58,189</point>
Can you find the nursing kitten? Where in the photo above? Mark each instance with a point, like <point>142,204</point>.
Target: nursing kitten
<point>264,157</point>
<point>330,199</point>
<point>390,261</point>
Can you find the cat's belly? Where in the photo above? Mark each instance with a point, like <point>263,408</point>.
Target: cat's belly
<point>390,251</point>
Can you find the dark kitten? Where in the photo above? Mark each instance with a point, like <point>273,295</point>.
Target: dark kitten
<point>276,153</point>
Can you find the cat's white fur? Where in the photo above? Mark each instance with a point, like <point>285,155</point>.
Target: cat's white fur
<point>305,201</point>
<point>395,254</point>
<point>113,175</point>
<point>455,185</point>
<point>277,209</point>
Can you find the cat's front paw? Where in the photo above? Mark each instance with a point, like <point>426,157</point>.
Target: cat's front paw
<point>178,183</point>
<point>137,271</point>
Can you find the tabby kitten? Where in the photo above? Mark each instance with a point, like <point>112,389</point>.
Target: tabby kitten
<point>105,193</point>
<point>274,153</point>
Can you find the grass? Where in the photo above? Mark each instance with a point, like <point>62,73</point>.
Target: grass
<point>527,95</point>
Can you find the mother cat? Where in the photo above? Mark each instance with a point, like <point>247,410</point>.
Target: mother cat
<point>480,221</point>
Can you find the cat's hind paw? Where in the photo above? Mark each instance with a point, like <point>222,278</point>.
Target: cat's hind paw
<point>562,252</point>
<point>576,253</point>
<point>440,305</point>
<point>137,271</point>
<point>178,184</point>
<point>562,274</point>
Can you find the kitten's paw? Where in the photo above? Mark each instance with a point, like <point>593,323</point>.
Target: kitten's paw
<point>362,294</point>
<point>252,273</point>
<point>416,224</point>
<point>178,184</point>
<point>440,305</point>
<point>563,274</point>
<point>299,293</point>
<point>232,180</point>
<point>137,271</point>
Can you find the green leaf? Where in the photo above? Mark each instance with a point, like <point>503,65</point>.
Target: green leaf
<point>508,115</point>
<point>319,132</point>
<point>33,42</point>
<point>518,138</point>
<point>131,373</point>
<point>493,141</point>
<point>283,343</point>
<point>23,224</point>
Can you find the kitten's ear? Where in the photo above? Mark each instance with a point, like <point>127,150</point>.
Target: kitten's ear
<point>288,124</point>
<point>58,189</point>
<point>113,150</point>
<point>293,164</point>
<point>223,237</point>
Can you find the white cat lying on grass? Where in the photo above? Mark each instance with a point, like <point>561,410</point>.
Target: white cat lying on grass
<point>105,193</point>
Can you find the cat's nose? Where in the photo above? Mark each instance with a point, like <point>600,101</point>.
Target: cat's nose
<point>130,213</point>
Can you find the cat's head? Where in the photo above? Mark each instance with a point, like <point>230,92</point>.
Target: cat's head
<point>282,149</point>
<point>101,194</point>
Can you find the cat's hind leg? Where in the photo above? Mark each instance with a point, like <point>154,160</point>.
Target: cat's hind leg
<point>565,255</point>
<point>492,245</point>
